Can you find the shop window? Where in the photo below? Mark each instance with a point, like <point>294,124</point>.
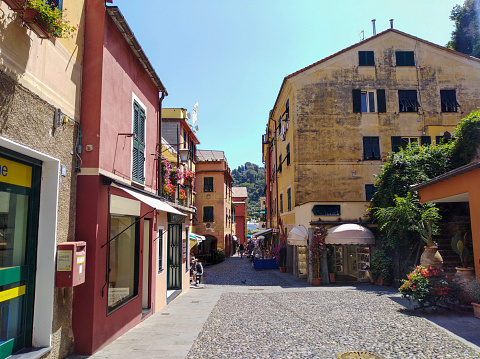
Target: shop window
<point>366,58</point>
<point>326,210</point>
<point>289,199</point>
<point>449,101</point>
<point>281,202</point>
<point>123,260</point>
<point>287,157</point>
<point>160,249</point>
<point>371,148</point>
<point>208,184</point>
<point>208,214</point>
<point>405,58</point>
<point>407,101</point>
<point>138,155</point>
<point>369,101</point>
<point>369,191</point>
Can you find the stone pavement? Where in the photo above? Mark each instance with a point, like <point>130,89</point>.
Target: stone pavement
<point>243,313</point>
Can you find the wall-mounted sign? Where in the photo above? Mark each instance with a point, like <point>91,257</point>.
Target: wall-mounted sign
<point>15,173</point>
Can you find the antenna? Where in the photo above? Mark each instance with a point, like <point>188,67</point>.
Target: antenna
<point>361,34</point>
<point>374,30</point>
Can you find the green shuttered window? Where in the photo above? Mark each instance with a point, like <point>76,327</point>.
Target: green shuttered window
<point>138,156</point>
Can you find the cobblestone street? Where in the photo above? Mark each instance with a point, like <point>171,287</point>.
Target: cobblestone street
<point>239,312</point>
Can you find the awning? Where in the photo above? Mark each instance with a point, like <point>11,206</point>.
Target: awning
<point>151,201</point>
<point>196,237</point>
<point>350,233</point>
<point>261,233</point>
<point>297,236</point>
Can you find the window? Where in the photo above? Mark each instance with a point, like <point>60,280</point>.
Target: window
<point>366,58</point>
<point>185,139</point>
<point>449,101</point>
<point>365,100</point>
<point>289,199</point>
<point>280,163</point>
<point>407,100</point>
<point>56,3</point>
<point>123,261</point>
<point>287,111</point>
<point>399,142</point>
<point>138,155</point>
<point>288,154</point>
<point>208,214</point>
<point>160,249</point>
<point>326,210</point>
<point>281,202</point>
<point>208,184</point>
<point>369,191</point>
<point>405,58</point>
<point>371,148</point>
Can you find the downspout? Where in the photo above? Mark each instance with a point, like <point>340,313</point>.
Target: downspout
<point>159,121</point>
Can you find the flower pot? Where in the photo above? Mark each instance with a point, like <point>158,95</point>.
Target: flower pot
<point>187,181</point>
<point>464,277</point>
<point>476,310</point>
<point>16,5</point>
<point>431,257</point>
<point>34,21</point>
<point>331,277</point>
<point>317,281</point>
<point>283,269</point>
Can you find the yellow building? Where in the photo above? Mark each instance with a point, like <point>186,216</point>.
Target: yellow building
<point>334,123</point>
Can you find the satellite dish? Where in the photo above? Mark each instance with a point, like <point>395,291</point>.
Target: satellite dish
<point>188,115</point>
<point>196,128</point>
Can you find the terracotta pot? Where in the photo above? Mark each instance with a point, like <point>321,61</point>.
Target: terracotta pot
<point>317,281</point>
<point>476,310</point>
<point>331,277</point>
<point>283,269</point>
<point>464,277</point>
<point>34,21</point>
<point>431,257</point>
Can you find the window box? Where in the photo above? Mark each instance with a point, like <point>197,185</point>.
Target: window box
<point>16,5</point>
<point>34,21</point>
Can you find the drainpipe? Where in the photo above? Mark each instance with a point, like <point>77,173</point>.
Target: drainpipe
<point>159,121</point>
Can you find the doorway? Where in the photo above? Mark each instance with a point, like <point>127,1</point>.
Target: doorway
<point>174,256</point>
<point>146,267</point>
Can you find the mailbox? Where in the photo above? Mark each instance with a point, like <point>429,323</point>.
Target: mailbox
<point>70,264</point>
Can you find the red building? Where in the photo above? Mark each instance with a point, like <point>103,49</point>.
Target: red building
<point>239,198</point>
<point>120,215</point>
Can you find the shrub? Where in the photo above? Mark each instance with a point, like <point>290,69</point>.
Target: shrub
<point>427,286</point>
<point>382,265</point>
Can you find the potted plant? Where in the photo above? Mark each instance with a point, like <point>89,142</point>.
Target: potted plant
<point>175,176</point>
<point>474,292</point>
<point>381,268</point>
<point>427,286</point>
<point>47,20</point>
<point>465,274</point>
<point>280,255</point>
<point>331,263</point>
<point>430,256</point>
<point>188,177</point>
<point>317,248</point>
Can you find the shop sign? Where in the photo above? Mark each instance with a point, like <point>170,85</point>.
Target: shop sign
<point>12,293</point>
<point>15,173</point>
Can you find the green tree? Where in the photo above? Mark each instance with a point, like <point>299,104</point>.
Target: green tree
<point>466,37</point>
<point>251,176</point>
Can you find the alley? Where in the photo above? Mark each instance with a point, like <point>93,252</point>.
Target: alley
<point>242,313</point>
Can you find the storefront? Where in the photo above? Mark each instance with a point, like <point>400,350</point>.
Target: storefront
<point>297,238</point>
<point>352,251</point>
<point>28,202</point>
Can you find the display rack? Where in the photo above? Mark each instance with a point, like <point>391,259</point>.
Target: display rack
<point>363,264</point>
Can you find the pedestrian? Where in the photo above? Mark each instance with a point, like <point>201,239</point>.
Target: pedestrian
<point>198,272</point>
<point>242,249</point>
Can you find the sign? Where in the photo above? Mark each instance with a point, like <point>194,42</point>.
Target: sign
<point>12,293</point>
<point>15,173</point>
<point>184,250</point>
<point>64,261</point>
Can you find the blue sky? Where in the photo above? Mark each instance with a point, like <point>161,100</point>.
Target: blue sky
<point>231,56</point>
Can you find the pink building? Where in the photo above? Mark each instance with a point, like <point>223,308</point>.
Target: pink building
<point>240,196</point>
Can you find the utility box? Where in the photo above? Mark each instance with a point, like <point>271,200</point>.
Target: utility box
<point>70,264</point>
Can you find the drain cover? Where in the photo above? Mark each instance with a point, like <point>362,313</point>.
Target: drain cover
<point>358,355</point>
<point>256,289</point>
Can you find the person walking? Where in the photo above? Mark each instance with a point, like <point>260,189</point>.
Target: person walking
<point>242,249</point>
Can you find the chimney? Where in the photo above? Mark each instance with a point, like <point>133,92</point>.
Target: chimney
<point>391,23</point>
<point>374,31</point>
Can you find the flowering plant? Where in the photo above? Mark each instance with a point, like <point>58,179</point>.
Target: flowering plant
<point>427,285</point>
<point>53,18</point>
<point>166,169</point>
<point>182,194</point>
<point>278,253</point>
<point>168,188</point>
<point>189,175</point>
<point>317,247</point>
<point>175,175</point>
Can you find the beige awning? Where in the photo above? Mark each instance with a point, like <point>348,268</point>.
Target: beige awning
<point>350,233</point>
<point>297,236</point>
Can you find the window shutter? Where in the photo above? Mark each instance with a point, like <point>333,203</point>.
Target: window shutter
<point>396,143</point>
<point>138,154</point>
<point>409,58</point>
<point>425,140</point>
<point>357,100</point>
<point>381,101</point>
